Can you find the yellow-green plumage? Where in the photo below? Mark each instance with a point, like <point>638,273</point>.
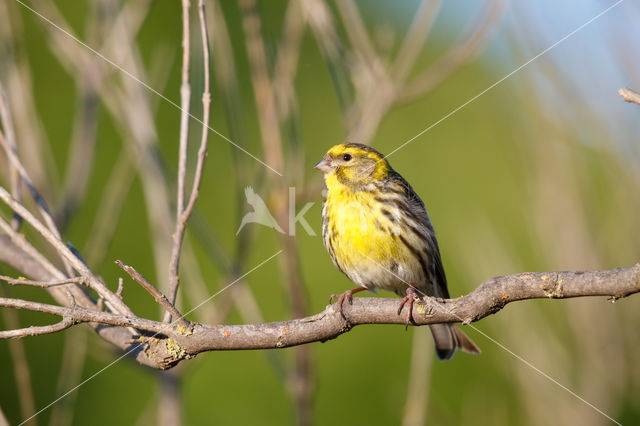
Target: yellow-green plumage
<point>378,233</point>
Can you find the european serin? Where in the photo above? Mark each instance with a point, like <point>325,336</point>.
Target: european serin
<point>378,233</point>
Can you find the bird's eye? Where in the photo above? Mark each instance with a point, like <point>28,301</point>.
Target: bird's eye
<point>346,157</point>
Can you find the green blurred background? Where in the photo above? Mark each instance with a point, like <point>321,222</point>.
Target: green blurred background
<point>539,173</point>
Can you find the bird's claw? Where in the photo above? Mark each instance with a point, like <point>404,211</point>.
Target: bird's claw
<point>409,298</point>
<point>348,295</point>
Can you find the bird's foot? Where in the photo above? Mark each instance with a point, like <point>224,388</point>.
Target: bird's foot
<point>348,295</point>
<point>408,299</point>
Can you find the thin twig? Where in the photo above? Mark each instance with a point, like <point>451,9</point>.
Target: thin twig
<point>287,59</point>
<point>629,95</point>
<point>9,132</point>
<point>157,295</point>
<point>120,289</point>
<point>37,330</point>
<point>415,39</point>
<point>21,242</point>
<point>318,15</point>
<point>185,213</point>
<point>82,149</point>
<point>121,337</point>
<point>64,251</point>
<point>43,284</point>
<point>20,94</point>
<point>206,105</point>
<point>79,315</point>
<point>458,55</point>
<point>357,32</point>
<point>110,208</point>
<point>185,105</point>
<point>21,370</point>
<point>42,205</point>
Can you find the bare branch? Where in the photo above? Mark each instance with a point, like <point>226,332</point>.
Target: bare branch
<point>206,104</point>
<point>287,59</point>
<point>123,338</point>
<point>415,39</point>
<point>66,253</point>
<point>37,330</point>
<point>629,95</point>
<point>459,54</point>
<point>14,161</point>
<point>171,345</point>
<point>108,212</point>
<point>79,314</point>
<point>120,289</point>
<point>357,32</point>
<point>21,370</point>
<point>159,297</point>
<point>20,242</point>
<point>185,212</point>
<point>185,105</point>
<point>9,132</point>
<point>43,284</point>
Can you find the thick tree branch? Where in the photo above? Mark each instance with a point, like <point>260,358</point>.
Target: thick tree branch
<point>170,344</point>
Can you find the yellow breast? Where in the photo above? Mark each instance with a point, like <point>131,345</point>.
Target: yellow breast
<point>359,233</point>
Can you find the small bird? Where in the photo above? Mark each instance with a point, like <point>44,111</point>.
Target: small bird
<point>378,233</point>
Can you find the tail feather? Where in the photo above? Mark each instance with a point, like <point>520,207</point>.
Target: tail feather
<point>448,338</point>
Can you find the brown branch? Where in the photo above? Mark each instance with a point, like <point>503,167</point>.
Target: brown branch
<point>20,257</point>
<point>159,297</point>
<point>42,284</point>
<point>185,103</point>
<point>206,104</point>
<point>21,370</point>
<point>184,212</point>
<point>415,39</point>
<point>14,162</point>
<point>20,242</point>
<point>171,345</point>
<point>108,212</point>
<point>10,136</point>
<point>37,330</point>
<point>79,314</point>
<point>629,95</point>
<point>64,251</point>
<point>461,53</point>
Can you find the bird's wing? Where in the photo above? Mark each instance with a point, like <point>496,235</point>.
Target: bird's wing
<point>420,212</point>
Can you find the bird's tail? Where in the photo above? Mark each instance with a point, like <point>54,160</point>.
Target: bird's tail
<point>448,338</point>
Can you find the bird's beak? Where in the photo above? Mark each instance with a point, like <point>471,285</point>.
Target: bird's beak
<point>324,165</point>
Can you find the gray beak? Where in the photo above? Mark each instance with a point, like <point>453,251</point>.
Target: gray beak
<point>324,165</point>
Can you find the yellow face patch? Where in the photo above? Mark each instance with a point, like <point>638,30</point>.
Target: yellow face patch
<point>355,165</point>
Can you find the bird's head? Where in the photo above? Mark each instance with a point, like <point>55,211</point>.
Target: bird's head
<point>353,165</point>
